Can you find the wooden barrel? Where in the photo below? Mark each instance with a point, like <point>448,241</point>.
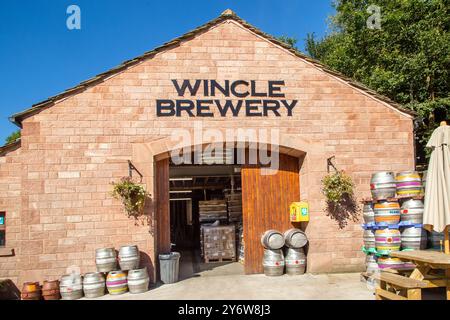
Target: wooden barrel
<point>273,262</point>
<point>408,184</point>
<point>116,282</point>
<point>272,239</point>
<point>387,240</point>
<point>105,259</point>
<point>138,280</point>
<point>295,261</point>
<point>295,238</point>
<point>94,285</point>
<point>414,238</point>
<point>369,239</point>
<point>388,262</point>
<point>387,212</point>
<point>412,211</point>
<point>382,185</point>
<point>50,290</point>
<point>129,258</point>
<point>368,213</point>
<point>71,287</point>
<point>31,291</point>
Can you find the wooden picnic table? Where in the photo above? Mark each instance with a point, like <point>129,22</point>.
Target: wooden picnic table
<point>426,261</point>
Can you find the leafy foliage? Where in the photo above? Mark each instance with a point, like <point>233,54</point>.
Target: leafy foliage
<point>341,203</point>
<point>292,42</point>
<point>408,59</point>
<point>132,195</point>
<point>13,137</point>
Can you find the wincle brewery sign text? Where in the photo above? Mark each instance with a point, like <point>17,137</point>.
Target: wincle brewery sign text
<point>246,99</point>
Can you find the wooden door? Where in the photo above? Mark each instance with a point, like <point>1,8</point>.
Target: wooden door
<point>162,213</point>
<point>265,205</point>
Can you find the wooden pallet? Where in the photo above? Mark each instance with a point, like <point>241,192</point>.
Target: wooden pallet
<point>219,260</point>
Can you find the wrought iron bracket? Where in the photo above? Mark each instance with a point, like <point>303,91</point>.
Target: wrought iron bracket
<point>330,164</point>
<point>132,168</point>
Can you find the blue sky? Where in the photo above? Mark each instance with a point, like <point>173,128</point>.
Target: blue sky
<point>40,57</point>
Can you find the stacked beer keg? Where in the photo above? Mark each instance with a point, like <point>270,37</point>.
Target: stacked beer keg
<point>293,257</point>
<point>393,218</point>
<point>130,278</point>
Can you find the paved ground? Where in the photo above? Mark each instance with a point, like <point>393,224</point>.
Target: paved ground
<point>208,285</point>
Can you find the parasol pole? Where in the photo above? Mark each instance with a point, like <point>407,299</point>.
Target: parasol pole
<point>446,230</point>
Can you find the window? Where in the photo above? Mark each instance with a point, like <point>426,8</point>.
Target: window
<point>2,229</point>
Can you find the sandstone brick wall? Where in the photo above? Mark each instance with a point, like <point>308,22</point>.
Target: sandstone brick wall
<point>10,203</point>
<point>73,150</point>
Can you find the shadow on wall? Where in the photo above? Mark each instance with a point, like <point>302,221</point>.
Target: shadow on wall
<point>8,290</point>
<point>146,261</point>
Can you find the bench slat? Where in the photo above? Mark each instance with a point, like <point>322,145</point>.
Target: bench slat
<point>398,280</point>
<point>388,295</point>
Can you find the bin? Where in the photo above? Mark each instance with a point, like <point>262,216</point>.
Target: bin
<point>169,266</point>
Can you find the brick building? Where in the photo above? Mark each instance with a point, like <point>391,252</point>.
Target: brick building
<point>55,183</point>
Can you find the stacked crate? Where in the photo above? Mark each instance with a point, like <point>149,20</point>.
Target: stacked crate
<point>219,243</point>
<point>234,202</point>
<point>213,210</point>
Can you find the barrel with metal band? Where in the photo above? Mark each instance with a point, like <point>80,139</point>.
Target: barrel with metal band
<point>94,285</point>
<point>371,263</point>
<point>409,184</point>
<point>368,213</point>
<point>295,238</point>
<point>389,262</point>
<point>382,185</point>
<point>272,239</point>
<point>295,261</point>
<point>71,287</point>
<point>387,240</point>
<point>116,282</point>
<point>50,290</point>
<point>138,280</point>
<point>414,238</point>
<point>31,291</point>
<point>412,211</point>
<point>129,258</point>
<point>105,259</point>
<point>369,239</point>
<point>387,212</point>
<point>273,262</point>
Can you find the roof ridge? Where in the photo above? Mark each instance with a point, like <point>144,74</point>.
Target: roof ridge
<point>228,14</point>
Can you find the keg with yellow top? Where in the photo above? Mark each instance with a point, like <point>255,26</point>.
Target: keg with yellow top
<point>408,183</point>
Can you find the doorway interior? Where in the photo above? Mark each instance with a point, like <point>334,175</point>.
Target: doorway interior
<point>206,222</point>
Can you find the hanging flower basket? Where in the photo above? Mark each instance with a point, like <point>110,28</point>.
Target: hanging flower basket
<point>132,195</point>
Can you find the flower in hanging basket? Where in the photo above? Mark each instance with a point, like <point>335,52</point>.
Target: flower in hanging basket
<point>341,204</point>
<point>132,195</point>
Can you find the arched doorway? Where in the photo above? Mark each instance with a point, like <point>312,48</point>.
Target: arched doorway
<point>265,201</point>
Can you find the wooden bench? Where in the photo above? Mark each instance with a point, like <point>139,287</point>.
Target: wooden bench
<point>397,287</point>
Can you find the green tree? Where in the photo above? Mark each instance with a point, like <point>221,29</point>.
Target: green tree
<point>13,137</point>
<point>292,42</point>
<point>406,59</point>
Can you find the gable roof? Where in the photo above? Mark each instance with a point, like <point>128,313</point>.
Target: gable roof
<point>10,147</point>
<point>226,15</point>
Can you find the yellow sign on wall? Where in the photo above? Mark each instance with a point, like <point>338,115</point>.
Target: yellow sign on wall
<point>299,212</point>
